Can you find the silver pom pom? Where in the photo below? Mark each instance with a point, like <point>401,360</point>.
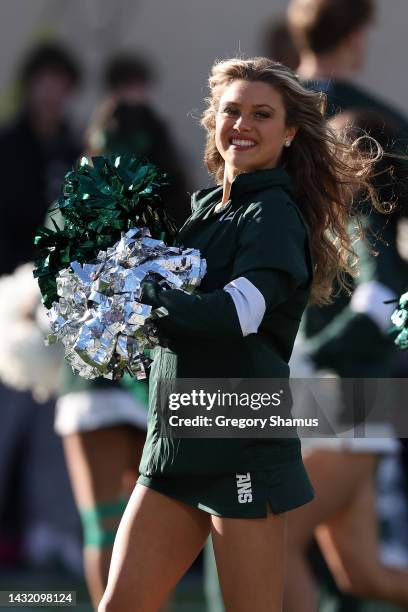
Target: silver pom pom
<point>99,317</point>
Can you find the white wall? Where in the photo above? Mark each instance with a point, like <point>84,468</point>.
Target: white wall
<point>183,37</point>
<point>385,71</point>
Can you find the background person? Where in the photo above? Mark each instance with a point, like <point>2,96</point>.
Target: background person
<point>103,423</point>
<point>38,523</point>
<point>128,119</point>
<point>331,36</point>
<point>278,44</point>
<point>36,150</point>
<point>343,515</point>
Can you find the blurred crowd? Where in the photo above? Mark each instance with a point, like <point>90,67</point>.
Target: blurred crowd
<point>62,496</point>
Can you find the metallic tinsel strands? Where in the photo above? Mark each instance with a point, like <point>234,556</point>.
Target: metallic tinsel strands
<point>99,317</point>
<point>400,320</point>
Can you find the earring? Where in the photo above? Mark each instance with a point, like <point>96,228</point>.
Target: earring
<point>288,143</point>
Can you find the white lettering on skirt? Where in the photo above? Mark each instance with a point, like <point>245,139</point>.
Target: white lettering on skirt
<point>244,488</point>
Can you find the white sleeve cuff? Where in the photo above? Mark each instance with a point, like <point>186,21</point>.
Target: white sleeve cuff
<point>249,302</point>
<point>369,298</point>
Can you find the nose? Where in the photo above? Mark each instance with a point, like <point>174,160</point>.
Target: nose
<point>242,124</point>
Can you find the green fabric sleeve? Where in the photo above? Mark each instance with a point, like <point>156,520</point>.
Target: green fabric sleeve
<point>272,250</point>
<point>205,315</point>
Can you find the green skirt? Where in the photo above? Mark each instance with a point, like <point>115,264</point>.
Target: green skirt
<point>243,495</point>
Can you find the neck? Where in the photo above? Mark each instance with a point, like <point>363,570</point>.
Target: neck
<point>329,66</point>
<point>229,175</point>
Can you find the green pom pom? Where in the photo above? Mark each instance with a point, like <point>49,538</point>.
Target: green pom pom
<point>99,200</point>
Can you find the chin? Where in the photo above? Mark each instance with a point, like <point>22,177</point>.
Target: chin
<point>242,161</point>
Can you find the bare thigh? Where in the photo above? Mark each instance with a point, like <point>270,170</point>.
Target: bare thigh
<point>250,560</point>
<point>158,539</point>
<point>103,464</point>
<point>336,476</point>
<point>349,540</point>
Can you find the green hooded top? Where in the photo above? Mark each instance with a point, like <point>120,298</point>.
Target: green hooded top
<point>259,235</point>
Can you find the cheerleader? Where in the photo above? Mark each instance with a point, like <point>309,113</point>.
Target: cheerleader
<point>267,232</point>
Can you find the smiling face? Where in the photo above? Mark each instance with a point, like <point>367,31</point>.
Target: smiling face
<point>251,127</point>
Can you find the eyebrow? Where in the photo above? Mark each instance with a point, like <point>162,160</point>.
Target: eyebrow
<point>254,105</point>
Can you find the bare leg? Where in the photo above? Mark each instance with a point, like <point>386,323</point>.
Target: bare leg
<point>300,589</point>
<point>250,560</point>
<point>350,544</point>
<point>157,540</point>
<point>336,477</point>
<point>344,517</point>
<point>103,466</point>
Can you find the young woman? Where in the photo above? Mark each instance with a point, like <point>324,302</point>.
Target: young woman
<point>281,202</point>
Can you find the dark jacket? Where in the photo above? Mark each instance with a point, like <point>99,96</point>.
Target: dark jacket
<point>261,236</point>
<point>31,175</point>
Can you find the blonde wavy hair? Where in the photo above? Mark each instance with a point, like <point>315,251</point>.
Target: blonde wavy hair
<point>327,169</point>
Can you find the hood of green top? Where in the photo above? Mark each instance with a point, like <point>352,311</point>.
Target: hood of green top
<point>245,183</point>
